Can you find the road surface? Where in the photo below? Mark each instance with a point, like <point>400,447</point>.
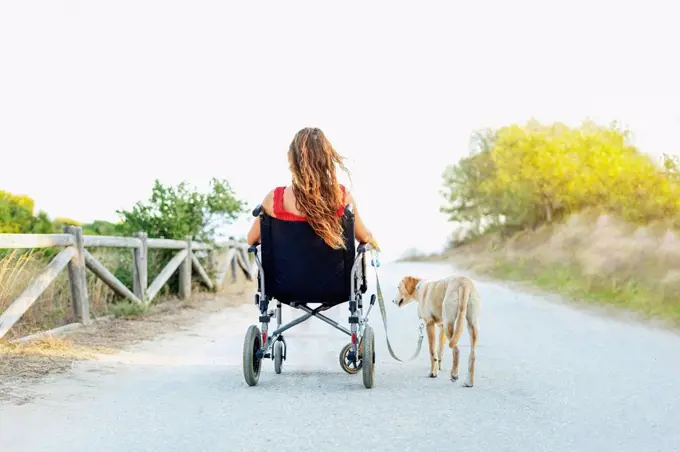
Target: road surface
<point>549,378</point>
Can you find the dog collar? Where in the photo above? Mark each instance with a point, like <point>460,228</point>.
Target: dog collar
<point>420,283</point>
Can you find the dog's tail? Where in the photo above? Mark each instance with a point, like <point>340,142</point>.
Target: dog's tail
<point>460,316</point>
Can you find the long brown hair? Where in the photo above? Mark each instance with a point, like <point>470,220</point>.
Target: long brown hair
<point>317,192</point>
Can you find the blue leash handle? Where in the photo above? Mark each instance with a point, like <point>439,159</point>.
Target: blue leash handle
<point>375,258</point>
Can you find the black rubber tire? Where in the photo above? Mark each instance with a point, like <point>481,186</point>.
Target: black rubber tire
<point>343,362</point>
<point>278,356</point>
<point>368,358</point>
<point>251,364</point>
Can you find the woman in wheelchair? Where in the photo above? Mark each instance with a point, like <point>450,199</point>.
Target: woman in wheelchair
<point>306,235</point>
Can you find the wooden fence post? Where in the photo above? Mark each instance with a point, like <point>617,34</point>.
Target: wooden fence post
<point>233,265</point>
<point>185,274</point>
<point>77,277</point>
<point>140,267</point>
<point>212,255</point>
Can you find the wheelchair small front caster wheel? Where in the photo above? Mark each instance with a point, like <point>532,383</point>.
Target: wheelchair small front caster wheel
<point>251,362</point>
<point>349,366</point>
<point>278,356</point>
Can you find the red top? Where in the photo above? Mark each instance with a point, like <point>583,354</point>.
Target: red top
<point>282,214</point>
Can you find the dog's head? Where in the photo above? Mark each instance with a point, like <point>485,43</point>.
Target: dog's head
<point>406,290</point>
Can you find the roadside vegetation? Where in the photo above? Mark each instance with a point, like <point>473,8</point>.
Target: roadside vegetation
<point>577,210</point>
<point>169,212</point>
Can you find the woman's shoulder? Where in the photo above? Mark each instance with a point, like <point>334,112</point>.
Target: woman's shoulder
<point>273,201</point>
<point>268,201</point>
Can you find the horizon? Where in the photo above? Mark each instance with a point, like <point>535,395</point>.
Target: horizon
<point>161,91</point>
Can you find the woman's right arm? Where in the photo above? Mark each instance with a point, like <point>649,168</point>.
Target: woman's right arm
<point>253,236</point>
<point>361,232</point>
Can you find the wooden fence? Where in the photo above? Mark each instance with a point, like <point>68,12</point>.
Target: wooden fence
<point>77,258</point>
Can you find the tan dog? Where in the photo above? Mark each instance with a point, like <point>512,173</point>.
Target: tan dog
<point>445,302</point>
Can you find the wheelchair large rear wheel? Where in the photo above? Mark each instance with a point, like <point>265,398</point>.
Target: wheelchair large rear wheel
<point>251,363</point>
<point>368,357</point>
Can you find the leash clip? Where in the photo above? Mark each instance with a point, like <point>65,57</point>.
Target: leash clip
<point>375,257</point>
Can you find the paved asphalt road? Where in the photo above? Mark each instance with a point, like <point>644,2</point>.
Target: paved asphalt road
<point>549,378</point>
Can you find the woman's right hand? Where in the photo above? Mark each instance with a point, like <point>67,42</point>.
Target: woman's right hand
<point>371,241</point>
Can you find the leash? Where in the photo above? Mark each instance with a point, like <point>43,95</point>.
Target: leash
<point>381,303</point>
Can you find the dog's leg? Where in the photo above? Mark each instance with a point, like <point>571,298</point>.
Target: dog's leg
<point>431,342</point>
<point>473,332</point>
<point>456,326</point>
<point>456,354</point>
<point>454,367</point>
<point>442,344</point>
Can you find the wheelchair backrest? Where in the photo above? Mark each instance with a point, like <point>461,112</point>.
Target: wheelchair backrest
<point>300,267</point>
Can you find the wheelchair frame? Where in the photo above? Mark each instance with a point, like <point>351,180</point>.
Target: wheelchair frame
<point>259,344</point>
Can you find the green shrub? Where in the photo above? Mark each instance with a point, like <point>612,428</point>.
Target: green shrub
<point>170,212</point>
<point>181,212</point>
<point>16,213</point>
<point>128,310</point>
<point>99,227</point>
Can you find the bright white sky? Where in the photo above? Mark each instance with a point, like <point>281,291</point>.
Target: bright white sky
<point>100,97</point>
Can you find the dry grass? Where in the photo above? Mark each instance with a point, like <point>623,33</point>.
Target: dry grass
<point>53,308</point>
<point>48,347</point>
<point>590,257</point>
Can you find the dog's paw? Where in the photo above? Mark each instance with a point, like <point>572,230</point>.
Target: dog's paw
<point>467,384</point>
<point>432,375</point>
<point>453,378</point>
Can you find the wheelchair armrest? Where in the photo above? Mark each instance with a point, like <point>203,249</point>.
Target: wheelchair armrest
<point>257,210</point>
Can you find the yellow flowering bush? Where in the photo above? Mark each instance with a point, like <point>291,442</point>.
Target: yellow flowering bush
<point>522,176</point>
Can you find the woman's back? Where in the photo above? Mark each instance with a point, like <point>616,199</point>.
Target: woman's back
<point>285,205</point>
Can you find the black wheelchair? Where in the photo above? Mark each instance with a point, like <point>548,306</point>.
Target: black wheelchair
<point>297,268</point>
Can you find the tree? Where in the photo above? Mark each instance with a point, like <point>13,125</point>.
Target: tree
<point>522,176</point>
<point>671,164</point>
<point>463,181</point>
<point>16,213</point>
<point>180,212</point>
<point>41,224</point>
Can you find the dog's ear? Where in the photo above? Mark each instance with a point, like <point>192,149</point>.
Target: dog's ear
<point>410,284</point>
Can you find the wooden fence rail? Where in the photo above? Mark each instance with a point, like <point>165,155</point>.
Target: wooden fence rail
<point>77,259</point>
